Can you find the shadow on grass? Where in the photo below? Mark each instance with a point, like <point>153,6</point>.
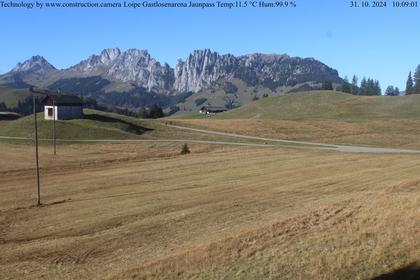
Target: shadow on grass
<point>9,117</point>
<point>410,272</point>
<point>131,127</point>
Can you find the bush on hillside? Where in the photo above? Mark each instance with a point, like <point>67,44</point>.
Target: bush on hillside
<point>184,149</point>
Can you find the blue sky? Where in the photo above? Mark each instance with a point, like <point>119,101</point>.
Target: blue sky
<point>378,43</point>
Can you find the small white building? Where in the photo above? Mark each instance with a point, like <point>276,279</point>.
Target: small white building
<point>64,107</point>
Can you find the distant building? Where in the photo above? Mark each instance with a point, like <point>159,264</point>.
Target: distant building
<point>211,110</point>
<point>64,107</point>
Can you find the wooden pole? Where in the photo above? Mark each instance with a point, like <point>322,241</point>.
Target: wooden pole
<point>38,189</point>
<point>54,139</point>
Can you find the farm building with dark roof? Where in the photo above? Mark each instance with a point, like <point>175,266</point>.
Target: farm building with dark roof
<point>209,110</point>
<point>62,107</point>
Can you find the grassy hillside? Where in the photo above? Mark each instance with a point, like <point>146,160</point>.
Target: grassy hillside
<point>95,125</point>
<point>325,117</point>
<point>244,94</point>
<point>11,96</point>
<point>101,125</point>
<point>217,97</point>
<point>328,105</point>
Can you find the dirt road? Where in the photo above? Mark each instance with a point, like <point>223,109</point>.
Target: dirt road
<point>268,142</point>
<point>339,148</point>
<point>133,141</point>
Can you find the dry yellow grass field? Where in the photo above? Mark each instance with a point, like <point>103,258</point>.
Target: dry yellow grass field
<point>401,133</point>
<point>143,211</point>
<point>324,117</point>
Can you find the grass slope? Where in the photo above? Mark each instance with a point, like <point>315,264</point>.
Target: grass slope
<point>95,125</point>
<point>103,126</point>
<point>245,94</point>
<point>217,97</point>
<point>328,105</point>
<point>325,117</point>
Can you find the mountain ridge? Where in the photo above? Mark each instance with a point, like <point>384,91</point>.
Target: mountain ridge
<point>144,80</point>
<point>200,70</point>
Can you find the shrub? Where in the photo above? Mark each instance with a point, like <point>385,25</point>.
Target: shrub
<point>156,112</point>
<point>173,109</point>
<point>184,149</point>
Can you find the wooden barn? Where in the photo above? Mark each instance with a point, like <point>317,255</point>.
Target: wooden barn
<point>64,107</point>
<point>211,110</point>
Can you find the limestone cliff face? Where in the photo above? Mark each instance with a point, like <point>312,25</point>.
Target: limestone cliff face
<point>132,66</point>
<point>202,68</point>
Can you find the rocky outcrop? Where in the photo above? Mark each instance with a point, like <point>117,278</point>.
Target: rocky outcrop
<point>36,65</point>
<point>202,68</point>
<point>97,63</point>
<point>132,66</point>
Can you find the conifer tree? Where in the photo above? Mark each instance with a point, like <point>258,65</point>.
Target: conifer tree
<point>409,85</point>
<point>345,85</point>
<point>363,87</point>
<point>354,82</point>
<point>377,88</point>
<point>416,87</point>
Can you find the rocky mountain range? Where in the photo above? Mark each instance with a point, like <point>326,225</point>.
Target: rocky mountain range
<point>135,70</point>
<point>199,71</point>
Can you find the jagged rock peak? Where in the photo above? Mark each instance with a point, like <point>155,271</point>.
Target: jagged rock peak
<point>133,66</point>
<point>201,69</point>
<point>37,64</point>
<point>91,64</point>
<point>109,54</point>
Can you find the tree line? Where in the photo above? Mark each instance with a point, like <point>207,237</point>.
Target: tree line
<point>151,112</point>
<point>367,86</point>
<point>412,86</point>
<point>370,86</point>
<point>24,107</point>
